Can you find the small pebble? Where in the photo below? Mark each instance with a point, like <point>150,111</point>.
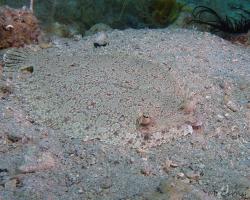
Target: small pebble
<point>180,175</point>
<point>5,90</point>
<point>77,37</point>
<point>232,106</point>
<point>247,193</point>
<point>174,165</point>
<point>80,191</point>
<point>248,105</point>
<point>220,118</point>
<point>187,129</point>
<point>193,176</point>
<point>27,69</point>
<point>243,86</point>
<point>225,86</point>
<point>227,115</point>
<point>144,120</point>
<point>145,172</point>
<point>45,45</point>
<point>197,124</point>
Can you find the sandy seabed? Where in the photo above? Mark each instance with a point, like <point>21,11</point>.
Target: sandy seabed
<point>73,128</point>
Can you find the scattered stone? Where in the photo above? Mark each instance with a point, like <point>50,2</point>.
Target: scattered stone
<point>80,191</point>
<point>192,175</point>
<point>144,120</point>
<point>226,86</point>
<point>27,69</point>
<point>168,165</point>
<point>232,106</point>
<point>220,118</point>
<point>5,90</point>
<point>101,40</point>
<point>100,27</point>
<point>144,124</point>
<point>243,86</point>
<point>187,129</point>
<point>146,172</point>
<point>227,115</point>
<point>141,151</point>
<point>235,132</point>
<point>44,45</point>
<point>174,165</point>
<point>13,138</point>
<point>197,124</point>
<point>131,160</point>
<point>247,193</point>
<point>77,37</point>
<point>180,175</point>
<point>248,105</point>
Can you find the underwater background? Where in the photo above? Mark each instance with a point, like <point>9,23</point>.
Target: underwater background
<point>69,17</point>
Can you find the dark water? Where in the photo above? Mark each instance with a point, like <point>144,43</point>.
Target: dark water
<point>67,17</point>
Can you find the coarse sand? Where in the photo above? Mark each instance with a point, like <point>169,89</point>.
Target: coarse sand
<point>165,106</point>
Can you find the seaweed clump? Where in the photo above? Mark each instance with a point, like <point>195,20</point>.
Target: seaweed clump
<point>164,12</point>
<point>150,13</point>
<point>218,23</point>
<point>18,27</point>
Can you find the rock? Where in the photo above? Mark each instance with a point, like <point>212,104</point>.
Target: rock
<point>243,86</point>
<point>101,40</point>
<point>235,132</point>
<point>197,124</point>
<point>77,37</point>
<point>168,165</point>
<point>187,129</point>
<point>227,115</point>
<point>144,120</point>
<point>98,28</point>
<point>59,29</point>
<point>27,69</point>
<point>146,171</point>
<point>220,118</point>
<point>45,45</point>
<point>5,90</point>
<point>226,86</point>
<point>180,175</point>
<point>232,106</point>
<point>248,105</point>
<point>80,191</point>
<point>192,175</point>
<point>13,137</point>
<point>247,193</point>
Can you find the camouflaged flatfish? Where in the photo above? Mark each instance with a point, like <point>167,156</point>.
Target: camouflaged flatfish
<point>92,94</point>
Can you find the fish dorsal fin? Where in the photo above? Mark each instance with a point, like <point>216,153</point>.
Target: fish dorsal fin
<point>15,57</point>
